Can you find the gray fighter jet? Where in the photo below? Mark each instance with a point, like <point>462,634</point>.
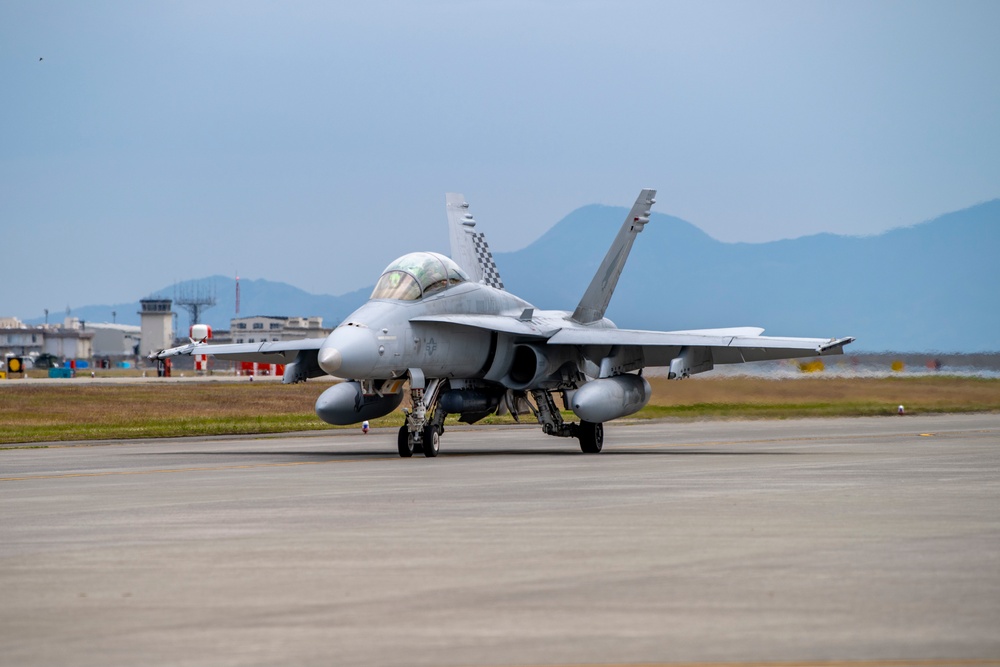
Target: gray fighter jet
<point>467,347</point>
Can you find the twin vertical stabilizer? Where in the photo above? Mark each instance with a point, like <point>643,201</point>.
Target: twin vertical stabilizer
<point>595,300</point>
<point>469,247</point>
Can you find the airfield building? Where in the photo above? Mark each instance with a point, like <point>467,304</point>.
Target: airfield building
<point>72,340</point>
<point>115,342</point>
<point>18,340</point>
<point>156,325</point>
<point>262,328</point>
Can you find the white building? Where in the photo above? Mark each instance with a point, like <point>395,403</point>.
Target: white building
<point>18,340</point>
<point>116,342</point>
<point>70,341</point>
<point>262,328</point>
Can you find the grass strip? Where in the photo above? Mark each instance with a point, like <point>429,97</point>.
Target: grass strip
<point>87,410</point>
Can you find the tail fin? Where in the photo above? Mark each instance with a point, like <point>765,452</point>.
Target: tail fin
<point>595,300</point>
<point>469,247</point>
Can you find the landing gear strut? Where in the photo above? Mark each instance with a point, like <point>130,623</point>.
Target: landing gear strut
<point>591,435</point>
<point>420,434</point>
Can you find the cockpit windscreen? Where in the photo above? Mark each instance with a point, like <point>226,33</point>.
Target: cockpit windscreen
<point>419,274</point>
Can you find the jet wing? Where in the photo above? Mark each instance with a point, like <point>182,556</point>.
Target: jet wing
<point>267,352</point>
<point>727,346</point>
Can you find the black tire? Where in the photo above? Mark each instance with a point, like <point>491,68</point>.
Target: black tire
<point>591,437</point>
<point>432,442</point>
<point>404,443</point>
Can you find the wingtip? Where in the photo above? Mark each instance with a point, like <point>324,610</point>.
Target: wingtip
<point>835,343</point>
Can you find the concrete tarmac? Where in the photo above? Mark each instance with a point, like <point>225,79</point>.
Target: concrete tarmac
<point>845,541</point>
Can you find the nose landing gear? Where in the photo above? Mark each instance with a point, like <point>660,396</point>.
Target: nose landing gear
<point>420,434</point>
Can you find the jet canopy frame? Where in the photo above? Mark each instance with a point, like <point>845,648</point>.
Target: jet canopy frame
<point>416,275</point>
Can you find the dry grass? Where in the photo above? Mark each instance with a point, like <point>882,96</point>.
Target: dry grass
<point>924,392</point>
<point>74,401</point>
<point>80,411</point>
<point>74,411</point>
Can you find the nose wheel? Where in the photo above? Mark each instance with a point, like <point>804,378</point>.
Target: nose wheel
<point>430,445</point>
<point>432,441</point>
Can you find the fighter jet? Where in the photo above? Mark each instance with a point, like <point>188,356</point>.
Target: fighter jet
<point>447,332</point>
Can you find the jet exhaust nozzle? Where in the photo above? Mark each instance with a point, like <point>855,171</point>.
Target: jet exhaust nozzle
<point>602,400</point>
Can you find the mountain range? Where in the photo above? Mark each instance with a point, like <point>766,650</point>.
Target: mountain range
<point>934,286</point>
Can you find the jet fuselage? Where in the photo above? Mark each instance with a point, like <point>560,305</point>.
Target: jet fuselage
<point>379,341</point>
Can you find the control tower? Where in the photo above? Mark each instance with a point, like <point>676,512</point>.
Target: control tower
<point>156,326</point>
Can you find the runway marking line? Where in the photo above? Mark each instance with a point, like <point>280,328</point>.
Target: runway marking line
<point>941,662</point>
<point>812,438</point>
<point>158,471</point>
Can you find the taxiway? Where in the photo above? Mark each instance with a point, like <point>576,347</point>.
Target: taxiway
<point>858,541</point>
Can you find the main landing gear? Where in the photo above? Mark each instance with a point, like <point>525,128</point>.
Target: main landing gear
<point>590,435</point>
<point>422,434</point>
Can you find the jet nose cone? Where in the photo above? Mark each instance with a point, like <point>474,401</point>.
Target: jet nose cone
<point>349,352</point>
<point>329,359</point>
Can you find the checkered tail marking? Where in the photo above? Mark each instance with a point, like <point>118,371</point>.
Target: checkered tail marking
<point>491,276</point>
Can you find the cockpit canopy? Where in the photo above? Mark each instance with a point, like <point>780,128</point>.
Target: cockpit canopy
<point>419,274</point>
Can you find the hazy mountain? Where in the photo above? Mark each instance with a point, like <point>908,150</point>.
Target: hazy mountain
<point>929,287</point>
<point>932,286</point>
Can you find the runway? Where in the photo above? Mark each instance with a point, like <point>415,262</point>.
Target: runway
<point>859,542</point>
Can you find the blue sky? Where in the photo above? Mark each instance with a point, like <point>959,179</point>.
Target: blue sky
<point>313,142</point>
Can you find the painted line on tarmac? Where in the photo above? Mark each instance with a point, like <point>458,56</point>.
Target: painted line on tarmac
<point>939,662</point>
<point>812,438</point>
<point>160,471</point>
